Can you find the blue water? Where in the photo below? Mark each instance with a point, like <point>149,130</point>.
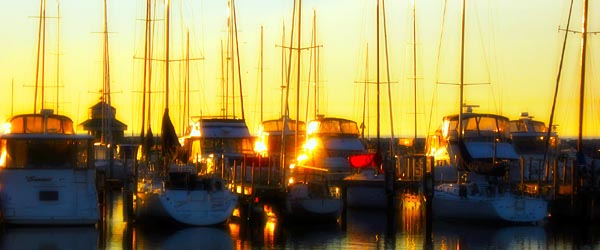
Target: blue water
<point>363,230</point>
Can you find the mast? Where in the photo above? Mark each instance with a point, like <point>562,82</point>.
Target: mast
<point>58,56</point>
<point>362,125</point>
<point>582,79</point>
<point>557,83</point>
<point>167,24</point>
<point>105,99</point>
<point>378,81</point>
<point>387,66</point>
<point>261,73</point>
<point>461,73</point>
<point>298,74</point>
<point>40,53</point>
<point>237,51</point>
<point>415,66</point>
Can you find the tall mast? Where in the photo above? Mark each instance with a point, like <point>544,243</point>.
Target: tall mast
<point>582,77</point>
<point>237,51</point>
<point>105,102</point>
<point>461,73</point>
<point>298,73</point>
<point>58,56</point>
<point>261,73</point>
<point>415,67</point>
<point>378,81</point>
<point>167,24</point>
<point>40,53</point>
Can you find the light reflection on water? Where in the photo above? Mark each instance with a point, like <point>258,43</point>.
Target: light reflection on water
<point>364,229</point>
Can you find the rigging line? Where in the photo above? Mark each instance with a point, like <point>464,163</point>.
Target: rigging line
<point>557,84</point>
<point>310,68</point>
<point>433,97</point>
<point>289,66</point>
<point>237,50</point>
<point>387,65</point>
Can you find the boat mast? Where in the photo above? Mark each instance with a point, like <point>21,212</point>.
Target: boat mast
<point>58,56</point>
<point>106,137</point>
<point>261,73</point>
<point>558,76</point>
<point>387,66</point>
<point>378,81</point>
<point>41,48</point>
<point>461,73</point>
<point>298,73</point>
<point>582,79</point>
<point>237,51</point>
<point>415,67</point>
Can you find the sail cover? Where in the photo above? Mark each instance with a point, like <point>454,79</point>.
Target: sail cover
<point>170,142</point>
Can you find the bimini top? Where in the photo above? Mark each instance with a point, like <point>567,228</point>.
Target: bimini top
<point>330,126</point>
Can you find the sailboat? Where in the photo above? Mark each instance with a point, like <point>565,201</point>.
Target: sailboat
<point>47,170</point>
<point>474,150</point>
<point>310,197</point>
<point>367,184</point>
<point>577,199</point>
<point>177,190</point>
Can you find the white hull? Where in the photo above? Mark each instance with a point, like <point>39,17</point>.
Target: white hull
<point>49,196</point>
<point>302,204</point>
<point>448,203</point>
<point>189,207</point>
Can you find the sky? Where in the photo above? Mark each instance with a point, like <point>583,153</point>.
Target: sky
<point>512,56</point>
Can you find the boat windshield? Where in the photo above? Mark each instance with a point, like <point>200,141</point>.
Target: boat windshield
<point>46,153</point>
<point>39,124</point>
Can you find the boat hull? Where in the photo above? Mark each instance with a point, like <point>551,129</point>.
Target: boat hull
<point>448,203</point>
<point>49,196</point>
<point>188,207</point>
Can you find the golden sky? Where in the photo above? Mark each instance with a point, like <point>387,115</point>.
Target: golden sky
<point>513,46</point>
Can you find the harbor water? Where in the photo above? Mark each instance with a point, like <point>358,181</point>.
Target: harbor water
<point>363,229</point>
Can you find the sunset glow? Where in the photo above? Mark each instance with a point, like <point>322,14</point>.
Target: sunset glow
<point>512,45</point>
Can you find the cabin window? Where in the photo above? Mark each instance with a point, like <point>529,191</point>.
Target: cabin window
<point>518,126</point>
<point>46,153</point>
<point>349,128</point>
<point>539,127</point>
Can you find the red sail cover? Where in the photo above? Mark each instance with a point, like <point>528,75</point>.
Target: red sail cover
<point>364,160</point>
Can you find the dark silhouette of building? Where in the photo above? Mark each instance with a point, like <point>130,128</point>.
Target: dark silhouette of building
<point>102,122</point>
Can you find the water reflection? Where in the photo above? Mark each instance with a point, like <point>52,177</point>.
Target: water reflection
<point>460,235</point>
<point>183,238</point>
<point>55,238</point>
<point>363,229</point>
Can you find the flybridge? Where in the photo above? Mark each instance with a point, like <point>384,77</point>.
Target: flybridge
<point>42,123</point>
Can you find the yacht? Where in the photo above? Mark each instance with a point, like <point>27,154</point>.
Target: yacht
<point>47,172</point>
<point>471,165</point>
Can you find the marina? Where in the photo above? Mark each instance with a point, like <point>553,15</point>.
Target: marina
<point>426,151</point>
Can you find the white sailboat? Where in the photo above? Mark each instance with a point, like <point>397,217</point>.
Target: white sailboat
<point>177,190</point>
<point>474,152</point>
<point>310,196</point>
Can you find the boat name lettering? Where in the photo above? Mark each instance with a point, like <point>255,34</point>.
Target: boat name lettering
<point>35,178</point>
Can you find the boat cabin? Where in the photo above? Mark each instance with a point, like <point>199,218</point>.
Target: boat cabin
<point>45,140</point>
